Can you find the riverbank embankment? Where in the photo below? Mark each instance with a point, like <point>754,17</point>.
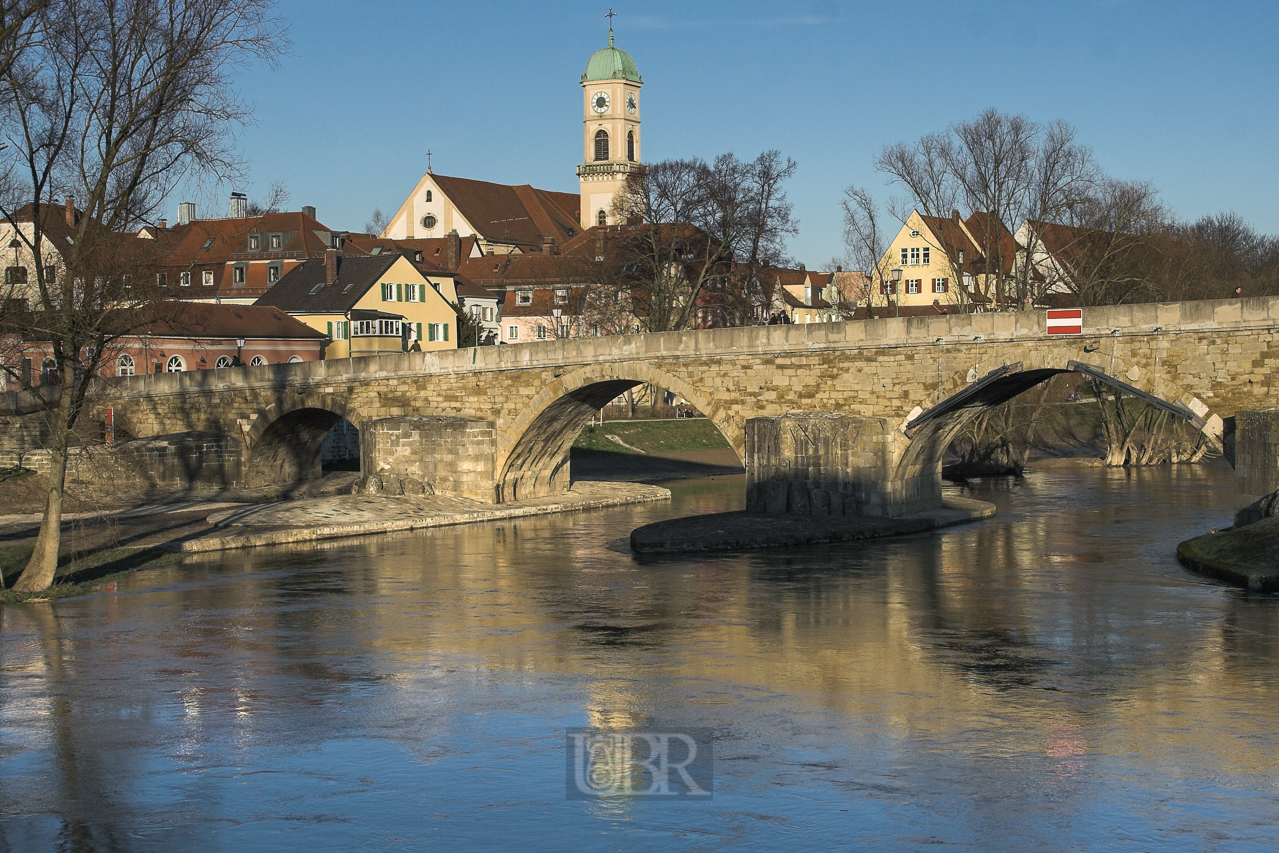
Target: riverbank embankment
<point>743,531</point>
<point>1247,556</point>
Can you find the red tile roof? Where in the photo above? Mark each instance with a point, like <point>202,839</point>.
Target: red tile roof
<point>521,215</point>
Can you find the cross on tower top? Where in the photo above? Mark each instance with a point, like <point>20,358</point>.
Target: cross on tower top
<point>611,15</point>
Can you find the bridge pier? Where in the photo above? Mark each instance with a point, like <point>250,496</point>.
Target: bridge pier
<point>821,463</point>
<point>1256,465</point>
<point>455,456</point>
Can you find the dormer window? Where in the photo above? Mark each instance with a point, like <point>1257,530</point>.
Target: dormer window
<point>254,242</point>
<point>561,297</point>
<point>417,256</point>
<point>524,297</point>
<point>275,241</point>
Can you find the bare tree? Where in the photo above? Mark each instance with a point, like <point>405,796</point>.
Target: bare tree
<point>277,196</point>
<point>377,223</point>
<point>698,235</point>
<point>116,102</point>
<point>866,243</point>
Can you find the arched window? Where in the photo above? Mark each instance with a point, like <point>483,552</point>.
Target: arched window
<point>175,364</point>
<point>124,366</point>
<point>630,146</point>
<point>602,218</point>
<point>257,361</point>
<point>601,145</point>
<point>428,195</point>
<point>295,359</point>
<point>223,361</point>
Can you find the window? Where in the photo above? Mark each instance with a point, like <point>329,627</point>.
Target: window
<point>50,274</point>
<point>339,330</point>
<point>914,233</point>
<point>940,285</point>
<point>124,366</point>
<point>207,243</point>
<point>602,219</point>
<point>272,274</point>
<point>961,256</point>
<point>914,255</point>
<point>563,331</point>
<point>904,257</point>
<point>275,241</point>
<point>429,221</point>
<point>389,328</point>
<point>601,145</point>
<point>630,146</point>
<point>316,289</point>
<point>926,261</point>
<point>913,285</point>
<point>48,372</point>
<point>175,364</point>
<point>254,242</point>
<point>561,296</point>
<point>523,297</point>
<point>237,275</point>
<point>512,333</point>
<point>595,330</point>
<point>295,359</point>
<point>888,288</point>
<point>15,275</point>
<point>223,361</point>
<point>488,314</point>
<point>388,292</point>
<point>541,332</point>
<point>428,195</point>
<point>185,279</point>
<point>208,278</point>
<point>437,331</point>
<point>257,361</point>
<point>161,279</point>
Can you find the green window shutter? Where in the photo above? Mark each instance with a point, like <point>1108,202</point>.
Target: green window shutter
<point>419,331</point>
<point>399,293</point>
<point>330,330</point>
<point>430,331</point>
<point>446,331</point>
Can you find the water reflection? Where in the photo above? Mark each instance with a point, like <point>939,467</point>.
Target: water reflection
<point>1048,678</point>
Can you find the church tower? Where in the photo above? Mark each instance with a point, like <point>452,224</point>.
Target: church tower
<point>610,131</point>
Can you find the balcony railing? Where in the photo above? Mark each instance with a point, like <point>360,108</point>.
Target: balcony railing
<point>587,170</point>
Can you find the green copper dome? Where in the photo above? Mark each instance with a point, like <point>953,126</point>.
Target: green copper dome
<point>609,63</point>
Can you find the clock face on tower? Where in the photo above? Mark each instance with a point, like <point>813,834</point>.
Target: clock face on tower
<point>599,102</point>
<point>631,104</point>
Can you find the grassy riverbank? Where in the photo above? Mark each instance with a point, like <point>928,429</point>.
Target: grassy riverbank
<point>684,435</point>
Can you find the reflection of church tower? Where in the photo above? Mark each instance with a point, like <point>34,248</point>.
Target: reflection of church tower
<point>611,130</point>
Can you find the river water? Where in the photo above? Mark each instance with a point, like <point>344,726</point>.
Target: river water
<point>1048,679</point>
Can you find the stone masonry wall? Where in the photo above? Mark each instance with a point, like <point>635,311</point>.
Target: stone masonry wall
<point>186,461</point>
<point>453,455</point>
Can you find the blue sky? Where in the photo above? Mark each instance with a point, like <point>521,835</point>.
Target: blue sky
<point>1181,94</point>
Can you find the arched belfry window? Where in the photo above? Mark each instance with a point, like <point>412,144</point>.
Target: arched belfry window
<point>602,217</point>
<point>428,195</point>
<point>630,146</point>
<point>601,145</point>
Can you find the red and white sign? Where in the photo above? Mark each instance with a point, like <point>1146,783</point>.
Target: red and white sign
<point>1066,321</point>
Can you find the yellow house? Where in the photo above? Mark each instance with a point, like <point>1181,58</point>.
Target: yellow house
<point>942,263</point>
<point>369,305</point>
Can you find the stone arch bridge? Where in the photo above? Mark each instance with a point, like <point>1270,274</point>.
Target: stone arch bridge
<point>881,398</point>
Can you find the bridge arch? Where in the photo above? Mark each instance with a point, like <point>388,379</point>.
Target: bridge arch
<point>283,440</point>
<point>533,453</point>
<point>926,432</point>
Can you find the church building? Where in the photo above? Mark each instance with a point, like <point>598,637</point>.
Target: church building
<point>507,219</point>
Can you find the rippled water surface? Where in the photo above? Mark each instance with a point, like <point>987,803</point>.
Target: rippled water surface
<point>1048,679</point>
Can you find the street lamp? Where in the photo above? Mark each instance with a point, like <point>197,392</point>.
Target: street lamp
<point>557,313</point>
<point>897,295</point>
<point>239,351</point>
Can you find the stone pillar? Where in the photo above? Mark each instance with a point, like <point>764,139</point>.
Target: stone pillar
<point>818,463</point>
<point>1256,465</point>
<point>454,456</point>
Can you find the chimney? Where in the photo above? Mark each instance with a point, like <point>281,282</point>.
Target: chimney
<point>239,205</point>
<point>186,213</point>
<point>801,266</point>
<point>547,245</point>
<point>839,267</point>
<point>453,251</point>
<point>71,211</point>
<point>954,214</point>
<point>601,243</point>
<point>330,266</point>
<point>163,223</point>
<point>308,210</point>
